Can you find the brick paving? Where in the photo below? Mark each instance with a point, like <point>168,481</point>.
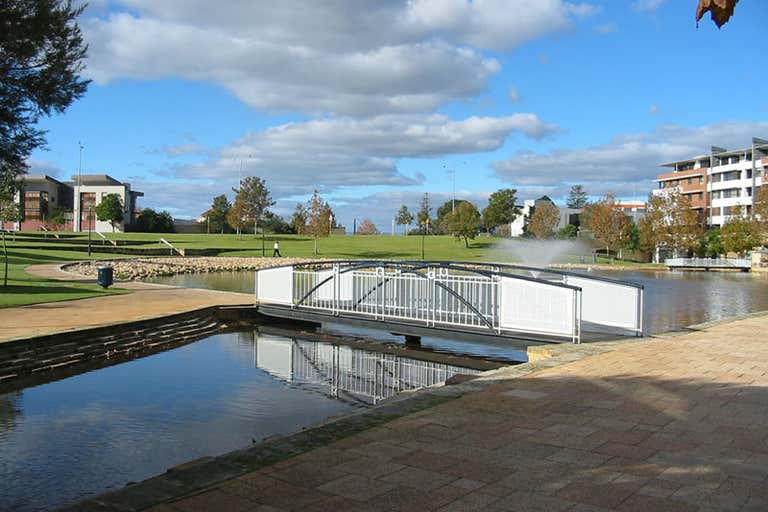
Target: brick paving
<point>670,424</point>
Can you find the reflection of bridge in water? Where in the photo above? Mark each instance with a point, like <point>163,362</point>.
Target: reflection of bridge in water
<point>472,299</point>
<point>350,374</point>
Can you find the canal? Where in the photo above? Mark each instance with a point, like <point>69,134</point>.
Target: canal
<point>75,438</point>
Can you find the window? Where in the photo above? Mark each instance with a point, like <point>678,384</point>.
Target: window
<point>690,181</point>
<point>715,211</point>
<point>748,173</point>
<point>701,180</point>
<point>726,210</point>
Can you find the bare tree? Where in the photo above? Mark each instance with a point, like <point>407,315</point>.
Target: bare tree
<point>367,227</point>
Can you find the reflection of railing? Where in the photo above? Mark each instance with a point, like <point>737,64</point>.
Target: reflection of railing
<point>737,263</point>
<point>491,298</point>
<point>352,375</point>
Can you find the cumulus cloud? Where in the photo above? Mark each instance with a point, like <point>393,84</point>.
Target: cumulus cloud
<point>344,56</point>
<point>40,167</point>
<point>182,149</point>
<point>326,154</point>
<point>626,160</point>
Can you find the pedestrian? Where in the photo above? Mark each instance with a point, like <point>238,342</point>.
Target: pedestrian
<point>276,252</point>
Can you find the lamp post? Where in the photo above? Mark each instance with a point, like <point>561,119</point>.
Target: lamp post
<point>89,231</point>
<point>263,247</point>
<point>424,229</point>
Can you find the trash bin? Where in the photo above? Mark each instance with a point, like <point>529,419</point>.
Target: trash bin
<point>106,277</point>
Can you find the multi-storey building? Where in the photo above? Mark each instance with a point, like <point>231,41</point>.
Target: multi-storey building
<point>721,183</point>
<point>90,190</point>
<point>40,198</point>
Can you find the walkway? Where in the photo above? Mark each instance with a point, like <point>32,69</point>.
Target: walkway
<point>146,301</point>
<point>671,424</point>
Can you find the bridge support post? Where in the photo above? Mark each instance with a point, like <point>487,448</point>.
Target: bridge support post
<point>413,341</point>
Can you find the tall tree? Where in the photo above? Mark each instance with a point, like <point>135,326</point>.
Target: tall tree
<point>41,58</point>
<point>403,218</point>
<point>425,211</point>
<point>463,222</point>
<point>110,209</point>
<point>252,199</point>
<point>608,224</point>
<point>216,216</point>
<point>501,208</point>
<point>9,212</point>
<point>543,222</point>
<point>319,218</point>
<point>670,223</point>
<point>236,219</point>
<point>577,198</point>
<point>299,219</point>
<point>448,207</point>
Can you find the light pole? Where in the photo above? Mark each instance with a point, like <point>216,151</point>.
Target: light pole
<point>89,231</point>
<point>79,187</point>
<point>424,229</point>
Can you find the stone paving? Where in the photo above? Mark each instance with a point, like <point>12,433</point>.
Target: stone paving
<point>678,423</point>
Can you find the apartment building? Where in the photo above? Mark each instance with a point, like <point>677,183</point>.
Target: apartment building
<point>90,189</point>
<point>720,183</point>
<point>40,197</point>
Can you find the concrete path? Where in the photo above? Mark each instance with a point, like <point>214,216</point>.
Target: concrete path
<point>670,424</point>
<point>146,301</point>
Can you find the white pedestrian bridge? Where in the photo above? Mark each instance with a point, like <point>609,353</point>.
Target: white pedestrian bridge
<point>427,297</point>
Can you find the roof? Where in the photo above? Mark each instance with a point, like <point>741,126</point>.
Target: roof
<point>96,180</point>
<point>39,178</point>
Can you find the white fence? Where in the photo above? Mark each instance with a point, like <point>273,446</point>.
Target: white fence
<point>456,297</point>
<point>740,263</point>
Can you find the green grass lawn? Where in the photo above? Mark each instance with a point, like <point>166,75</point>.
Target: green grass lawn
<point>24,289</point>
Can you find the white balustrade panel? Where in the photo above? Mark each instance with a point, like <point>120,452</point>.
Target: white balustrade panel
<point>608,304</point>
<point>326,290</point>
<point>537,307</point>
<point>275,285</point>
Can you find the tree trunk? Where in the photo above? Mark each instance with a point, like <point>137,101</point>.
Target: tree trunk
<point>315,246</point>
<point>5,259</point>
<point>466,242</point>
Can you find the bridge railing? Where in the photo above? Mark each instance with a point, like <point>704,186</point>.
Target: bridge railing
<point>497,298</point>
<point>709,262</point>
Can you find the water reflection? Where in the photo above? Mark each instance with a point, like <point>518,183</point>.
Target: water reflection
<point>348,374</point>
<point>67,440</point>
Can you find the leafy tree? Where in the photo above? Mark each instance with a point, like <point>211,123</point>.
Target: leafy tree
<point>110,209</point>
<point>608,224</point>
<point>425,211</point>
<point>448,207</point>
<point>670,223</point>
<point>299,219</point>
<point>216,216</point>
<point>569,231</point>
<point>319,218</point>
<point>236,219</point>
<point>760,213</point>
<point>252,199</point>
<point>739,235</point>
<point>544,220</point>
<point>150,221</point>
<point>273,223</point>
<point>464,222</point>
<point>710,244</point>
<point>577,198</point>
<point>367,227</point>
<point>9,212</point>
<point>41,57</point>
<point>501,208</point>
<point>404,217</point>
<point>57,218</point>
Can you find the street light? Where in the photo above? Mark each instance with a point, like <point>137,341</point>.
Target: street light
<point>89,230</point>
<point>424,229</point>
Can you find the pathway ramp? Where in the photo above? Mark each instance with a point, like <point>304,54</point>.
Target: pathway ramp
<point>146,301</point>
<point>676,423</point>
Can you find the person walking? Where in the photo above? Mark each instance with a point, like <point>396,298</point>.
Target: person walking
<point>276,252</point>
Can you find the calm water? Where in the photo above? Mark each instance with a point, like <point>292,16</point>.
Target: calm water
<point>672,299</point>
<point>68,440</point>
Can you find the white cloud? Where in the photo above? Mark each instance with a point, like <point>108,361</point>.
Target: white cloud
<point>627,160</point>
<point>182,149</point>
<point>347,57</point>
<point>606,28</point>
<point>514,95</point>
<point>41,167</point>
<point>326,154</point>
<point>647,5</point>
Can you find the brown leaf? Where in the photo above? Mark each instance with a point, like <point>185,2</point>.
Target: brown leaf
<point>720,10</point>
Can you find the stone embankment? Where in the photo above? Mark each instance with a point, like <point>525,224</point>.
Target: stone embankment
<point>143,268</point>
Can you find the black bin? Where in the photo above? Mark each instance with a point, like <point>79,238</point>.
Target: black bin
<point>106,277</point>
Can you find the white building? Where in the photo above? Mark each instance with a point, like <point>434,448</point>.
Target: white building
<point>90,190</point>
<point>567,216</point>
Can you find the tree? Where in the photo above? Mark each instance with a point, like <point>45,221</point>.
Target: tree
<point>150,221</point>
<point>403,218</point>
<point>710,244</point>
<point>739,235</point>
<point>319,215</point>
<point>236,219</point>
<point>274,223</point>
<point>670,223</point>
<point>252,200</point>
<point>544,220</point>
<point>110,209</point>
<point>501,208</point>
<point>608,224</point>
<point>720,10</point>
<point>9,212</point>
<point>448,207</point>
<point>41,57</point>
<point>57,218</point>
<point>760,213</point>
<point>299,219</point>
<point>425,211</point>
<point>463,222</point>
<point>367,227</point>
<point>216,216</point>
<point>577,198</point>
<point>569,231</point>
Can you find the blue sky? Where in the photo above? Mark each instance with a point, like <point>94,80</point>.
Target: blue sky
<point>373,102</point>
